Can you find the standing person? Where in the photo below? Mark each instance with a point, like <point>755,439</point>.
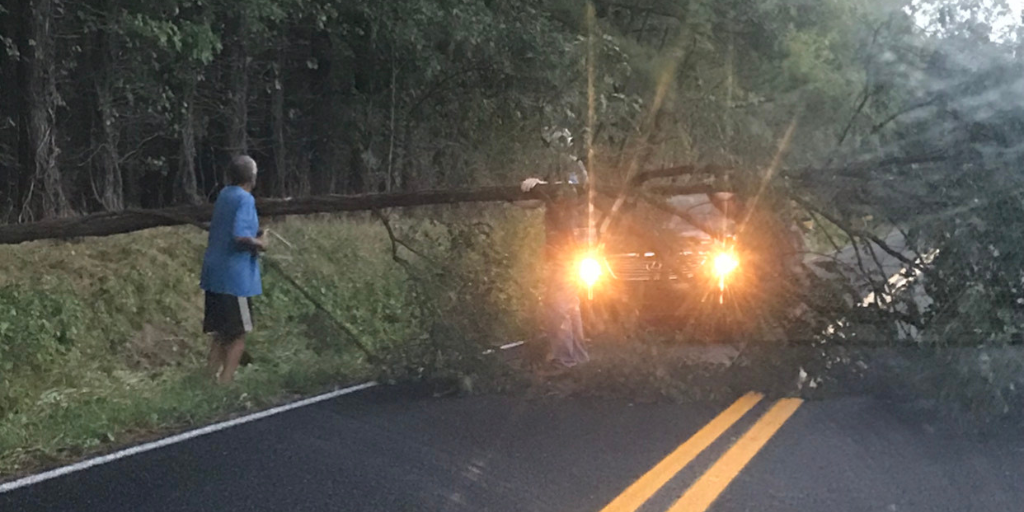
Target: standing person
<point>231,273</point>
<point>562,222</point>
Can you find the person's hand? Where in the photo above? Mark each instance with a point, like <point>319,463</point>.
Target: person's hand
<point>529,183</point>
<point>255,245</point>
<point>262,241</point>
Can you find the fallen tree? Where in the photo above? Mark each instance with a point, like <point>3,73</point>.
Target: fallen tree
<point>112,223</point>
<point>126,221</point>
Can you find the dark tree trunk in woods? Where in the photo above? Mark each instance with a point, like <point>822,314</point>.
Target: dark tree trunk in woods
<point>321,168</point>
<point>405,164</point>
<point>107,180</point>
<point>26,160</point>
<point>185,189</point>
<point>8,137</point>
<point>238,112</point>
<point>280,177</point>
<point>354,182</point>
<point>41,190</point>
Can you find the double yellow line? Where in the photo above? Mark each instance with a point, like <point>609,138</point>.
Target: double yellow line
<point>706,489</point>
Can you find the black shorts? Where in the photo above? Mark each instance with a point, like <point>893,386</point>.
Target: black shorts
<point>227,316</point>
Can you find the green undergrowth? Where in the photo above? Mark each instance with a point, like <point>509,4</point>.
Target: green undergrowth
<point>101,342</point>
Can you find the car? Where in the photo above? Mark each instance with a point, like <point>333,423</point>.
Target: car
<point>652,265</point>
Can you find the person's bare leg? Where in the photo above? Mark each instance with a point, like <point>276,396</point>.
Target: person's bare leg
<point>216,357</point>
<point>233,355</point>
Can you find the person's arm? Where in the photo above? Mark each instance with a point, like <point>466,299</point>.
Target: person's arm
<point>255,244</point>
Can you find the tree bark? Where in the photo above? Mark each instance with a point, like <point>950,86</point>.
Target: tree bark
<point>238,111</point>
<point>104,224</point>
<point>185,186</point>
<point>8,107</point>
<point>40,183</point>
<point>321,175</point>
<point>106,163</point>
<point>280,181</point>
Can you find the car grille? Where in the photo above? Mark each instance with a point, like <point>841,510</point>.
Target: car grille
<point>651,267</point>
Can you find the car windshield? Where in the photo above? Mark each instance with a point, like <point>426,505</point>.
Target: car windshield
<point>700,207</point>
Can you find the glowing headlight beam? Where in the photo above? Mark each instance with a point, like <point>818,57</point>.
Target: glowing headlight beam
<point>723,264</point>
<point>590,271</point>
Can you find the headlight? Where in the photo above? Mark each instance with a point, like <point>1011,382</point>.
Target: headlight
<point>724,264</point>
<point>590,271</point>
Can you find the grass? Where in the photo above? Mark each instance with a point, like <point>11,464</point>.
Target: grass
<point>101,342</point>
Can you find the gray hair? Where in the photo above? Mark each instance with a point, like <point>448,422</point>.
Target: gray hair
<point>242,170</point>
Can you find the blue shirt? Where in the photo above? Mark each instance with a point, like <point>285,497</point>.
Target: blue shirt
<point>228,267</point>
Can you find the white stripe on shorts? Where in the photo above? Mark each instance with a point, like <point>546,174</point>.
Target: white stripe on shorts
<point>243,307</point>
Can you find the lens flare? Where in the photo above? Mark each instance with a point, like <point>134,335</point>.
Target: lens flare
<point>590,271</point>
<point>725,263</point>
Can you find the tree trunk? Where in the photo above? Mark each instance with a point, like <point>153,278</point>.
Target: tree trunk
<point>321,177</point>
<point>8,107</point>
<point>279,185</point>
<point>238,112</point>
<point>354,182</point>
<point>104,224</point>
<point>405,157</point>
<point>106,163</point>
<point>24,74</point>
<point>40,184</point>
<point>185,190</point>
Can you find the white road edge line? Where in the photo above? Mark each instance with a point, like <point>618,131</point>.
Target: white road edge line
<point>185,436</point>
<point>135,450</point>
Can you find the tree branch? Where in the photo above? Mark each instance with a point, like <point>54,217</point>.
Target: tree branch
<point>672,172</point>
<point>396,242</point>
<point>862,234</point>
<point>878,126</point>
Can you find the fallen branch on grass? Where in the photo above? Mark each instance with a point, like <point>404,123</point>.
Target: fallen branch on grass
<point>396,242</point>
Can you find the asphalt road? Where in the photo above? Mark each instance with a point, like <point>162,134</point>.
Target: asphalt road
<point>394,450</point>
